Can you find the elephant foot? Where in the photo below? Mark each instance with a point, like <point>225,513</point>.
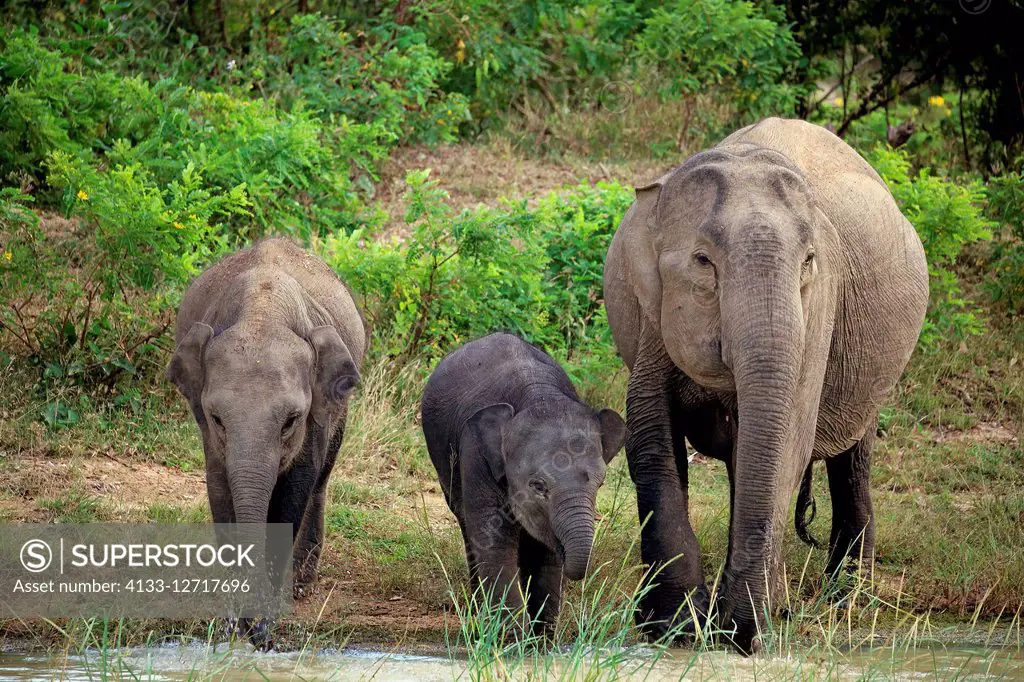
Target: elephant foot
<point>744,634</point>
<point>747,641</point>
<point>544,630</point>
<point>689,621</point>
<point>301,590</point>
<point>305,576</point>
<point>257,630</point>
<point>842,585</point>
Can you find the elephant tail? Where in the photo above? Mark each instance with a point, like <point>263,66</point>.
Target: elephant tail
<point>806,508</point>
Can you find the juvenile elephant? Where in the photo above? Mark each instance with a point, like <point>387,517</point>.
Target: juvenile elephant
<point>520,458</point>
<point>766,296</point>
<point>269,342</point>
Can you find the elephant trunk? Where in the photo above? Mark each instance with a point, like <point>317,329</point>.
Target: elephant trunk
<point>763,321</point>
<point>573,525</point>
<point>252,474</point>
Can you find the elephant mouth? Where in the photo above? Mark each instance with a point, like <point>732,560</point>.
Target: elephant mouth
<point>560,550</point>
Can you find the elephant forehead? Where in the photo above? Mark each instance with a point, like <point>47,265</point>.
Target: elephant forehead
<point>717,197</point>
<point>281,365</point>
<point>579,443</point>
<point>563,433</point>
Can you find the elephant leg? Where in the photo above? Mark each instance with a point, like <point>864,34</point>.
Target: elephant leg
<point>541,578</point>
<point>288,505</point>
<point>309,539</point>
<point>853,525</point>
<point>656,461</point>
<point>493,555</point>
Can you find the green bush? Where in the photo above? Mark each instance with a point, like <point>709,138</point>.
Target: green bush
<point>534,271</point>
<point>570,56</point>
<point>578,227</point>
<point>297,172</point>
<point>936,136</point>
<point>457,276</point>
<point>947,217</point>
<point>739,47</point>
<point>1006,207</point>
<point>386,76</point>
<point>84,300</point>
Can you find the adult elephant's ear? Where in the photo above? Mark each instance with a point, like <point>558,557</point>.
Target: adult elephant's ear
<point>483,437</point>
<point>334,372</point>
<point>613,432</point>
<point>641,227</point>
<point>186,367</point>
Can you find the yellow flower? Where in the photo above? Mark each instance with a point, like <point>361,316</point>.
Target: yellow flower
<point>460,53</point>
<point>8,255</point>
<point>936,101</point>
<point>838,101</point>
<point>179,225</point>
<point>83,195</point>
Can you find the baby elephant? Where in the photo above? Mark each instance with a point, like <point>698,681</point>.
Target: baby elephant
<point>269,342</point>
<point>520,458</point>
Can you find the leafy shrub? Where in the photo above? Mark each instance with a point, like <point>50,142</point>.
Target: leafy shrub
<point>737,46</point>
<point>48,103</point>
<point>537,272</point>
<point>85,299</point>
<point>578,227</point>
<point>386,76</point>
<point>297,173</point>
<point>936,136</point>
<point>947,217</point>
<point>578,55</point>
<point>454,278</point>
<point>1006,207</point>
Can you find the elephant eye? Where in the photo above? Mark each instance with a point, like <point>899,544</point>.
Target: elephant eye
<point>289,423</point>
<point>810,258</point>
<point>217,421</point>
<point>702,258</point>
<point>538,486</point>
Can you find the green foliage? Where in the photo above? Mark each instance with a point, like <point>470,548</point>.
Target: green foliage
<point>1006,207</point>
<point>534,271</point>
<point>936,136</point>
<point>578,226</point>
<point>159,179</point>
<point>947,217</point>
<point>85,299</point>
<point>973,48</point>
<point>601,53</point>
<point>297,172</point>
<point>734,45</point>
<point>389,77</point>
<point>457,276</point>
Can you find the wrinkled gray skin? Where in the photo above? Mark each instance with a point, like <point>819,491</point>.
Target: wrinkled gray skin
<point>766,296</point>
<point>269,342</point>
<point>520,459</point>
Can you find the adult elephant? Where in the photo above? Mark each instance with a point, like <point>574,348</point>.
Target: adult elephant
<point>766,296</point>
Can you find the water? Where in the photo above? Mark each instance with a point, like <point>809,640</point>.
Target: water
<point>172,663</point>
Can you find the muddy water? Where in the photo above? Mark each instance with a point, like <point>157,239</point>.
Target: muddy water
<point>173,663</point>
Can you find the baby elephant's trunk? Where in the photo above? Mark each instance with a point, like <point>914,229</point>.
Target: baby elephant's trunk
<point>574,529</point>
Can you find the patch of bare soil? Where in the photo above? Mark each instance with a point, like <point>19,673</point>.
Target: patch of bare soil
<point>129,486</point>
<point>983,432</point>
<point>346,595</point>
